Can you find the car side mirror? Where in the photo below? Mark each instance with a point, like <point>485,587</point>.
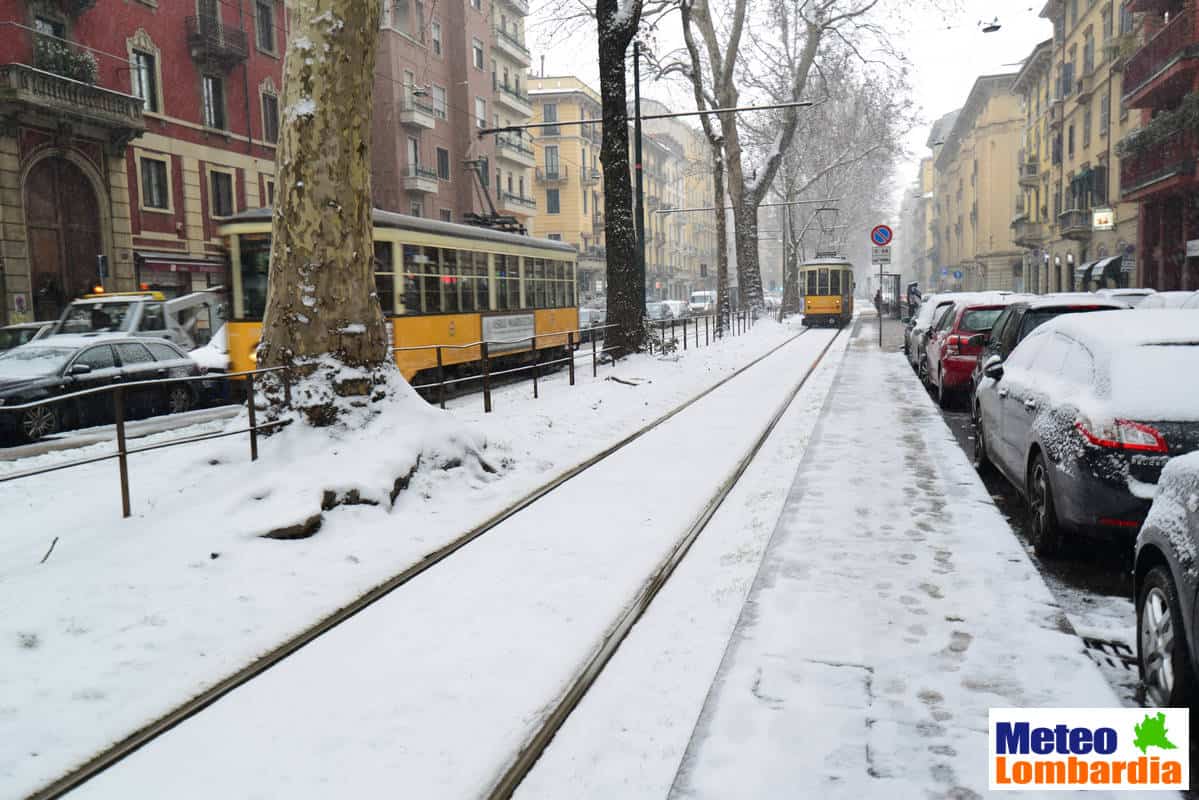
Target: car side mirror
<point>80,369</point>
<point>994,369</point>
<point>977,340</point>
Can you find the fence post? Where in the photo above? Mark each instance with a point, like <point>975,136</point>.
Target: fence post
<point>570,351</point>
<point>287,387</point>
<point>440,378</point>
<point>706,342</point>
<point>536,363</point>
<point>697,334</point>
<point>486,378</point>
<point>684,333</point>
<point>594,361</point>
<point>253,417</point>
<point>118,401</point>
<point>672,332</point>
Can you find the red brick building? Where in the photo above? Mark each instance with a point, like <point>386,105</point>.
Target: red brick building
<point>130,129</point>
<point>1160,77</point>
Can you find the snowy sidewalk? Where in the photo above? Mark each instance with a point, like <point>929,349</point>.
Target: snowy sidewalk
<point>892,608</point>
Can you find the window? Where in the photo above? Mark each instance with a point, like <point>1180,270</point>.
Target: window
<point>554,237</point>
<point>1125,20</point>
<point>549,113</point>
<point>153,319</point>
<point>476,4</point>
<point>155,188</point>
<point>133,353</point>
<point>522,186</point>
<point>418,208</point>
<point>1073,13</point>
<point>584,202</point>
<point>476,50</point>
<point>443,164</point>
<point>255,252</point>
<point>413,154</point>
<point>1070,142</point>
<point>220,200</point>
<point>440,103</point>
<point>270,193</point>
<point>98,358</point>
<point>1086,125</point>
<point>214,102</point>
<point>552,202</point>
<point>446,215</point>
<point>385,277</point>
<point>49,27</point>
<point>1105,114</point>
<point>509,183</point>
<point>270,117</point>
<point>435,31</point>
<point>144,77</point>
<point>264,18</point>
<point>401,19</point>
<point>1107,24</point>
<point>551,162</point>
<point>481,112</point>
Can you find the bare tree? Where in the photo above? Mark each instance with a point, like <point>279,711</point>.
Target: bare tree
<point>323,321</point>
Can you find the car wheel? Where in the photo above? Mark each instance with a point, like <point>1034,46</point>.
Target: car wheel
<point>982,459</point>
<point>1162,651</point>
<point>178,399</point>
<point>944,396</point>
<point>1043,527</point>
<point>37,422</point>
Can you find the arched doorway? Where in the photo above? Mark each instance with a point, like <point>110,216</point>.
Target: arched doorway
<point>62,215</point>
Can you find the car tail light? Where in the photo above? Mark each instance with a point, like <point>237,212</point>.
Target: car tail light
<point>953,344</point>
<point>1123,434</point>
<point>1112,522</point>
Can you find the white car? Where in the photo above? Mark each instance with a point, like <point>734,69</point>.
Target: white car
<point>703,302</point>
<point>678,309</point>
<point>1134,297</point>
<point>1171,300</point>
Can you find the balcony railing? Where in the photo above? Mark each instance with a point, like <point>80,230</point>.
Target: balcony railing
<point>417,171</point>
<point>415,102</point>
<point>551,174</point>
<point>514,144</point>
<point>589,175</point>
<point>1029,172</point>
<point>1174,157</point>
<point>1074,223</point>
<point>513,93</point>
<point>1178,39</point>
<point>212,42</point>
<point>1026,233</point>
<point>23,86</point>
<point>517,200</point>
<point>512,40</point>
<point>520,6</point>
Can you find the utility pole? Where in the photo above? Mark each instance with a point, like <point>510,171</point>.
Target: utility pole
<point>639,220</point>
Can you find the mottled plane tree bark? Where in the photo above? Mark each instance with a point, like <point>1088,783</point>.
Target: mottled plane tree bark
<point>323,320</point>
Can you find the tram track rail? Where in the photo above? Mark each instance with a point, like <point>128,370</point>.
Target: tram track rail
<point>115,753</point>
<point>590,672</point>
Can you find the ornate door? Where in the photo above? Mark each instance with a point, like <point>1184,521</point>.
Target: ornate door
<point>62,216</point>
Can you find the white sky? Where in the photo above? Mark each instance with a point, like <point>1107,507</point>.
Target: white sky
<point>947,53</point>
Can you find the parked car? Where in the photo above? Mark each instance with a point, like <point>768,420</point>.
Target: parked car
<point>1165,586</point>
<point>657,311</point>
<point>1085,412</point>
<point>589,319</point>
<point>59,365</point>
<point>1170,300</point>
<point>918,325</point>
<point>22,333</point>
<point>1134,297</point>
<point>1023,317</point>
<point>678,309</point>
<point>703,302</point>
<point>954,343</point>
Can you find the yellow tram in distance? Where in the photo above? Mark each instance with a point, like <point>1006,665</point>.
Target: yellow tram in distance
<point>826,284</point>
<point>439,283</point>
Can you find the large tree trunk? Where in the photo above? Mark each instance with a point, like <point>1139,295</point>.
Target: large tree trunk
<point>626,280</point>
<point>322,313</point>
<point>723,307</point>
<point>791,304</point>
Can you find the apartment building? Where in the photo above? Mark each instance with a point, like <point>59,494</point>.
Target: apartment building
<point>973,186</point>
<point>915,213</point>
<point>568,178</point>
<point>1158,172</point>
<point>1069,167</point>
<point>133,128</point>
<point>939,272</point>
<point>443,72</point>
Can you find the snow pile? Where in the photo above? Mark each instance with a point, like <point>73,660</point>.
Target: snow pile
<point>214,356</point>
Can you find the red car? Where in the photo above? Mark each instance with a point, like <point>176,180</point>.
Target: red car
<point>950,355</point>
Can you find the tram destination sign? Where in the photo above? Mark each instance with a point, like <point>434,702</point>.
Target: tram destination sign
<point>507,332</point>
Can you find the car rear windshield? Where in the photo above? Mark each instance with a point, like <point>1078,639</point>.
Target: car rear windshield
<point>1156,382</point>
<point>980,319</point>
<point>1038,317</point>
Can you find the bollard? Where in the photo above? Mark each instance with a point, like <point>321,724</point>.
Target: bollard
<point>672,330</point>
<point>440,378</point>
<point>570,351</point>
<point>594,360</point>
<point>697,334</point>
<point>118,401</point>
<point>486,379</point>
<point>684,333</point>
<point>253,417</point>
<point>536,363</point>
<point>706,342</point>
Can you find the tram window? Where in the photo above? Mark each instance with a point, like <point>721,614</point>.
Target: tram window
<point>385,277</point>
<point>507,289</point>
<point>255,252</point>
<point>822,286</point>
<point>535,285</point>
<point>449,281</point>
<point>422,290</point>
<point>483,298</point>
<point>811,281</point>
<point>834,282</point>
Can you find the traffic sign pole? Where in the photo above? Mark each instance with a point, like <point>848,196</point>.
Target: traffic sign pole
<point>881,237</point>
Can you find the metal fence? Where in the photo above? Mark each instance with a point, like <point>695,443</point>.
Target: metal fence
<point>737,323</point>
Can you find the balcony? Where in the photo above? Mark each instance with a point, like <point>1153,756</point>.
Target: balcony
<point>213,44</point>
<point>516,204</point>
<point>512,47</point>
<point>416,111</point>
<point>1026,233</point>
<point>519,6</point>
<point>25,89</point>
<point>1163,62</point>
<point>510,147</point>
<point>1166,167</point>
<point>514,101</point>
<point>1075,224</point>
<point>589,176</point>
<point>593,253</point>
<point>1028,174</point>
<point>1083,87</point>
<point>1120,49</point>
<point>597,222</point>
<point>420,179</point>
<point>556,174</point>
<point>1055,113</point>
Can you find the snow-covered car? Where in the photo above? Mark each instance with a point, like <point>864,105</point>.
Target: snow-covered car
<point>22,333</point>
<point>1134,297</point>
<point>657,312</point>
<point>1166,585</point>
<point>678,309</point>
<point>213,359</point>
<point>1171,300</point>
<point>1085,412</point>
<point>916,334</point>
<point>703,302</point>
<point>59,365</point>
<point>589,319</point>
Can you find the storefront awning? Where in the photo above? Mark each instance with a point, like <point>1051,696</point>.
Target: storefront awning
<point>178,262</point>
<point>1109,268</point>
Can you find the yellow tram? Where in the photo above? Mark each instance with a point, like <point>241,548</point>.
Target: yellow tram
<point>826,284</point>
<point>439,283</point>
